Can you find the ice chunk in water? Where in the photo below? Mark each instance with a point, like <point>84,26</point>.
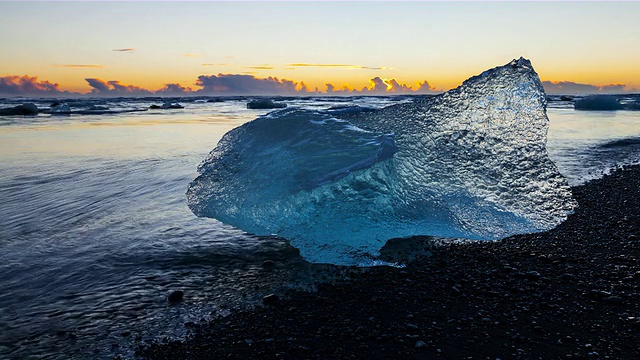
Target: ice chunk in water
<point>598,102</point>
<point>468,163</point>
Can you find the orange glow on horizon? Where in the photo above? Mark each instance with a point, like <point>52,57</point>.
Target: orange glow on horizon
<point>73,81</point>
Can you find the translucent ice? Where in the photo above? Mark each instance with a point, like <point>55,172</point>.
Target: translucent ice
<point>598,102</point>
<point>468,163</point>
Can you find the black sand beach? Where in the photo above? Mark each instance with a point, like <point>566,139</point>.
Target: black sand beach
<point>571,293</point>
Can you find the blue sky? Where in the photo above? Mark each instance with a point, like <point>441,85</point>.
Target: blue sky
<point>342,43</point>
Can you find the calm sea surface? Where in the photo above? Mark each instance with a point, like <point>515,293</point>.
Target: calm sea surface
<point>95,230</point>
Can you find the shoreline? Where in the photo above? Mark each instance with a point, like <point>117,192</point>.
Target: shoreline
<point>571,292</point>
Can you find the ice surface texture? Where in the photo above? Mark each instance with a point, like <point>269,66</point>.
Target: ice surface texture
<point>468,163</point>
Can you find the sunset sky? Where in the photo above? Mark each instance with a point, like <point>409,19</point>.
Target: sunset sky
<point>145,45</point>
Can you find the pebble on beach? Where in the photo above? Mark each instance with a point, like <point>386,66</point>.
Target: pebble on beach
<point>175,296</point>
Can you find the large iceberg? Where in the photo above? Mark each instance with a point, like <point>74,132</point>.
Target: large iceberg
<point>469,163</point>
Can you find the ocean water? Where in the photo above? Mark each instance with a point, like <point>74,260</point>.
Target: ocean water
<point>95,230</point>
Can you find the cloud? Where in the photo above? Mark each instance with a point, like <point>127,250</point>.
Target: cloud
<point>616,88</point>
<point>98,85</point>
<point>568,87</point>
<point>125,50</point>
<point>396,87</point>
<point>211,64</point>
<point>346,66</point>
<point>192,55</point>
<point>424,88</point>
<point>261,67</point>
<point>127,88</point>
<point>28,86</point>
<point>241,84</point>
<point>174,90</point>
<point>237,84</point>
<point>221,84</point>
<point>377,86</point>
<point>115,88</point>
<point>380,86</point>
<point>80,66</point>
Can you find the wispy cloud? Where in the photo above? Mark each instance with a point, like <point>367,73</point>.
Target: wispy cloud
<point>125,50</point>
<point>80,66</point>
<point>192,55</point>
<point>212,64</point>
<point>344,66</point>
<point>261,67</point>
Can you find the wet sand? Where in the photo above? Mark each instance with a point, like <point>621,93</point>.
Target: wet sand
<point>571,293</point>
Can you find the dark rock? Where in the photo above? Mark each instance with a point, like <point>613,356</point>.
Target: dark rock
<point>24,109</point>
<point>613,300</point>
<point>61,108</point>
<point>299,350</point>
<point>420,344</point>
<point>412,326</point>
<point>166,106</point>
<point>169,105</point>
<point>520,275</point>
<point>567,276</point>
<point>533,275</point>
<point>597,294</point>
<point>260,104</point>
<point>268,264</point>
<point>175,296</point>
<point>270,299</point>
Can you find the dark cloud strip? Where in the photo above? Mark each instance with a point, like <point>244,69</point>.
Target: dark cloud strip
<point>235,84</point>
<point>248,85</point>
<point>221,84</point>
<point>572,88</point>
<point>125,50</point>
<point>115,88</point>
<point>29,86</point>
